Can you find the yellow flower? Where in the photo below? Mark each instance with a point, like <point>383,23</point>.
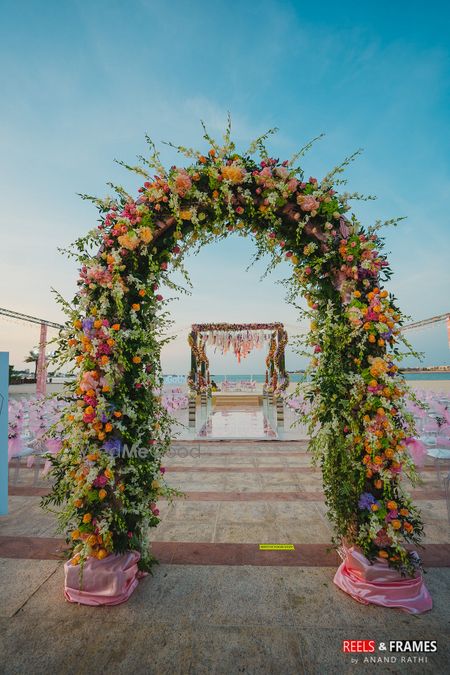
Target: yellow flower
<point>155,485</point>
<point>75,534</point>
<point>87,517</point>
<point>185,215</point>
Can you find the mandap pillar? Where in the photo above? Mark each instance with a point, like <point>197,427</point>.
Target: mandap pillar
<point>41,379</point>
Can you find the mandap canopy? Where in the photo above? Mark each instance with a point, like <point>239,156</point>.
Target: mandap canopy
<point>109,473</point>
<point>241,338</point>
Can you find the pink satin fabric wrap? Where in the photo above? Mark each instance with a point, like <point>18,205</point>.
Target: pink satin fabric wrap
<point>104,582</point>
<point>378,584</point>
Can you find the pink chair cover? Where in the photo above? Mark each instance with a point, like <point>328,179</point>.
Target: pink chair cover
<point>379,584</point>
<point>104,582</point>
<point>418,451</point>
<point>14,447</point>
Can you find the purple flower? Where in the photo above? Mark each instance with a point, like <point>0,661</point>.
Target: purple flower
<point>87,325</point>
<point>112,447</point>
<point>366,500</point>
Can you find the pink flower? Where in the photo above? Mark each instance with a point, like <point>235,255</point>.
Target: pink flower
<point>159,297</point>
<point>182,183</point>
<point>163,266</point>
<point>382,540</point>
<point>292,184</point>
<point>307,203</point>
<point>100,481</point>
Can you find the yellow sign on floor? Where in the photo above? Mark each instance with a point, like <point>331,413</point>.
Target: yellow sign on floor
<point>276,547</point>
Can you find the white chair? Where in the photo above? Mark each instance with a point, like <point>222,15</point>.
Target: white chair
<point>439,454</point>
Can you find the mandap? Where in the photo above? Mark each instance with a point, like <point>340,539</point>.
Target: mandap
<point>105,494</point>
<point>241,339</point>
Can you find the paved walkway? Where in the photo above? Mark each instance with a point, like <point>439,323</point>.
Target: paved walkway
<point>216,603</point>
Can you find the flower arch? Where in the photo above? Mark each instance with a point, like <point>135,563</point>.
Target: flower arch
<point>109,473</point>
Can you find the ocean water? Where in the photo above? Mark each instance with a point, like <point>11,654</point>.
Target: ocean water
<point>180,379</point>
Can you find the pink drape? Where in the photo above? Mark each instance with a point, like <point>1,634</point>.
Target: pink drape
<point>102,582</point>
<point>379,584</point>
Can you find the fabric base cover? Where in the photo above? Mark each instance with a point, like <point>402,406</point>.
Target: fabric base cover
<point>102,582</point>
<point>378,584</point>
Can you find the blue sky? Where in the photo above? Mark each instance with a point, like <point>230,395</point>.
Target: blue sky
<point>82,82</point>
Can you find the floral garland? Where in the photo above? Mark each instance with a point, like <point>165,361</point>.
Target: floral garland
<point>359,427</point>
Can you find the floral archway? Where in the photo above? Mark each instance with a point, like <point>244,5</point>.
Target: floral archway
<point>242,338</point>
<point>358,423</point>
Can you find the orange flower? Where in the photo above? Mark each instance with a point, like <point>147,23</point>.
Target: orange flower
<point>233,173</point>
<point>202,159</point>
<point>383,554</point>
<point>105,388</point>
<point>380,411</point>
<point>107,473</point>
<point>215,194</point>
<point>79,358</point>
<point>108,426</point>
<point>116,326</point>
<point>102,553</point>
<point>121,487</point>
<point>91,540</point>
<point>75,534</point>
<point>380,342</point>
<point>377,460</point>
<point>92,456</point>
<point>117,413</point>
<point>391,505</point>
<point>72,342</point>
<point>137,359</point>
<point>396,524</point>
<point>374,507</point>
<point>142,292</point>
<point>97,323</point>
<point>404,512</point>
<point>104,360</point>
<point>102,494</point>
<point>356,294</point>
<point>87,517</point>
<point>185,215</point>
<point>136,306</point>
<point>389,453</point>
<point>372,338</point>
<point>101,435</point>
<point>408,527</point>
<point>383,294</point>
<point>212,152</point>
<point>111,342</point>
<point>78,503</point>
<point>78,324</point>
<point>378,484</point>
<point>76,560</point>
<point>146,235</point>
